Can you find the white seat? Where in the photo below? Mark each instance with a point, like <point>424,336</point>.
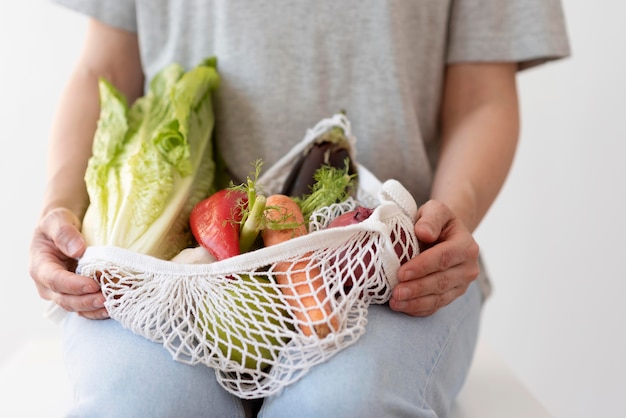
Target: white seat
<point>492,391</point>
<point>33,384</point>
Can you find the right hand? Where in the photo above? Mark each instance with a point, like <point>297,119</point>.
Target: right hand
<point>55,247</point>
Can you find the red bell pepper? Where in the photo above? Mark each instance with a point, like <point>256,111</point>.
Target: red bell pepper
<point>215,222</point>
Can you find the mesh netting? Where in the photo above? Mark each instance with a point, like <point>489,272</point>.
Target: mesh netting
<point>264,318</point>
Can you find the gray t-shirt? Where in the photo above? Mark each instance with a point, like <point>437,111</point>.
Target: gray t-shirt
<point>286,65</point>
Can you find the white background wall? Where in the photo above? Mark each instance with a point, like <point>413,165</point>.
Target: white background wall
<point>554,240</point>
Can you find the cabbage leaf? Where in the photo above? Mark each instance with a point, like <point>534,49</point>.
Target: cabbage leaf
<point>152,162</point>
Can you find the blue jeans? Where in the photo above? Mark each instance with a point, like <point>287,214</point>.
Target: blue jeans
<point>401,367</point>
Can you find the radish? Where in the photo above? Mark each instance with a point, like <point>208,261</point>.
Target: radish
<point>355,216</point>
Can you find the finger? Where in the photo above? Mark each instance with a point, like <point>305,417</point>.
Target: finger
<point>426,305</point>
<point>52,274</point>
<point>99,314</point>
<point>439,258</point>
<point>433,284</point>
<point>433,216</point>
<point>91,305</point>
<point>53,270</point>
<point>66,282</point>
<point>62,227</point>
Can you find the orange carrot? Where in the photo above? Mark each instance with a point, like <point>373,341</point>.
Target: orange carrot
<point>304,288</point>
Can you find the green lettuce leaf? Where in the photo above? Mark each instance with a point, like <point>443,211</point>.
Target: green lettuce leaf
<point>152,162</point>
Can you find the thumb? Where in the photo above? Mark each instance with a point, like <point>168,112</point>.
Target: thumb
<point>432,218</point>
<point>62,227</point>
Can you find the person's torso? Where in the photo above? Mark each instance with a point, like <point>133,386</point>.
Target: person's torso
<point>285,66</point>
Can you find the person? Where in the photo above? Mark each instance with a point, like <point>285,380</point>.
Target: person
<point>430,89</point>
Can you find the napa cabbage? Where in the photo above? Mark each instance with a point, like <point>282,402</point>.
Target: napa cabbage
<point>152,162</point>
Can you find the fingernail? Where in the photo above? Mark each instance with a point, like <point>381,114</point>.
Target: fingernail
<point>90,288</point>
<point>74,246</point>
<point>406,275</point>
<point>399,305</point>
<point>98,303</point>
<point>428,228</point>
<point>402,293</point>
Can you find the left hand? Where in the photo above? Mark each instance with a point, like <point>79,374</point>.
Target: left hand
<point>445,267</point>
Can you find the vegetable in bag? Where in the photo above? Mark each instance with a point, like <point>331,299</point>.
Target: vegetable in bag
<point>248,316</point>
<point>152,162</point>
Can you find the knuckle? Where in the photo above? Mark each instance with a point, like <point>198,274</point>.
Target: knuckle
<point>428,312</point>
<point>42,292</point>
<point>60,215</point>
<point>59,226</point>
<point>471,272</point>
<point>445,259</point>
<point>443,283</point>
<point>446,299</point>
<point>417,288</point>
<point>421,312</point>
<point>474,272</point>
<point>50,220</point>
<point>426,306</point>
<point>85,305</point>
<point>54,282</point>
<point>473,250</point>
<point>82,305</point>
<point>63,303</point>
<point>439,301</point>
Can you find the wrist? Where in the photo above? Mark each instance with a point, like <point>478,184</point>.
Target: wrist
<point>463,204</point>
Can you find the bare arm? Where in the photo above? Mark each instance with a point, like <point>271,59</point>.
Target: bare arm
<point>109,53</point>
<point>480,126</point>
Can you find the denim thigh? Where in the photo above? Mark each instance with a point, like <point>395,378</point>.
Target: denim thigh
<point>401,367</point>
<point>116,373</point>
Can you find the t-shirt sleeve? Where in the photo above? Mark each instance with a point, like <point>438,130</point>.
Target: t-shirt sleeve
<point>529,32</point>
<point>117,13</point>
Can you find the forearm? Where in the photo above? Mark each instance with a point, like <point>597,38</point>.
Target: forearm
<point>108,53</point>
<point>480,127</point>
<point>70,144</point>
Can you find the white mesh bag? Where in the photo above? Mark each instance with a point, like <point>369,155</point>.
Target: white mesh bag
<point>262,319</point>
